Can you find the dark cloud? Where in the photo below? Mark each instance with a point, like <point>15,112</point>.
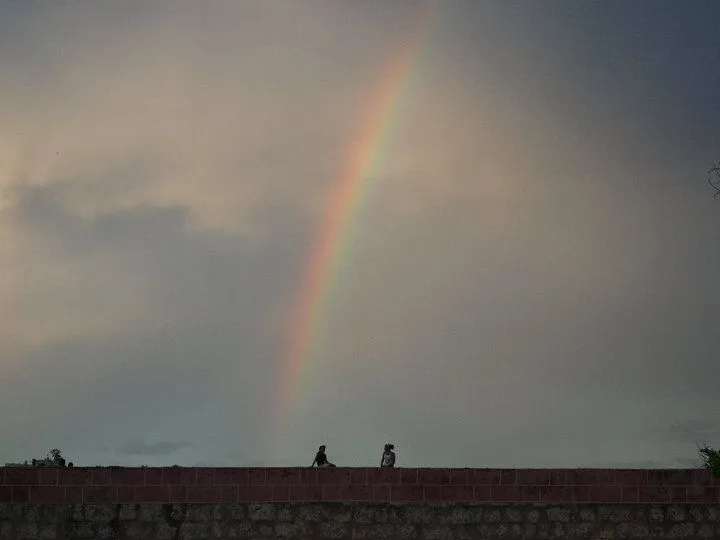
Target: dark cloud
<point>137,447</point>
<point>700,430</point>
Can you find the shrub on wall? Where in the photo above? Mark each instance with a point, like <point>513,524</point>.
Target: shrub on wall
<point>711,459</point>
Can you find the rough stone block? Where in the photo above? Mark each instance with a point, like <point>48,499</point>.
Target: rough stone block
<point>633,529</point>
<point>464,515</point>
<point>27,531</point>
<point>95,512</point>
<point>313,513</point>
<point>194,531</point>
<point>333,529</point>
<point>7,530</point>
<point>560,514</point>
<point>500,530</point>
<point>200,513</point>
<point>288,530</point>
<point>437,533</point>
<point>128,512</point>
<point>241,530</point>
<point>513,515</point>
<point>615,513</point>
<point>493,515</point>
<point>676,514</point>
<point>419,514</point>
<point>52,513</point>
<point>77,529</point>
<point>31,513</point>
<point>262,512</point>
<point>149,512</point>
<point>342,513</point>
<point>532,516</point>
<point>705,531</point>
<point>373,532</point>
<point>48,532</point>
<point>406,531</point>
<point>681,530</point>
<point>581,530</point>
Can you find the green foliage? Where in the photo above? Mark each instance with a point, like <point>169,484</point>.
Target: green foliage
<point>711,459</point>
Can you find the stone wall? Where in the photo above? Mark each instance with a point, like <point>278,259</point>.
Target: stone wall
<point>359,520</point>
<point>357,503</point>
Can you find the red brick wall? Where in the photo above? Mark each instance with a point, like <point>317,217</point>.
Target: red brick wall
<point>233,485</point>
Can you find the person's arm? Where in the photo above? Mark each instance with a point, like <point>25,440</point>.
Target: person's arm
<point>314,461</point>
<point>392,459</point>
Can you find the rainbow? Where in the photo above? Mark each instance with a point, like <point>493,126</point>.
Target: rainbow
<point>361,165</point>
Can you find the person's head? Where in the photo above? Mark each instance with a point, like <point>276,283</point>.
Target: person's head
<point>390,446</point>
<point>322,448</point>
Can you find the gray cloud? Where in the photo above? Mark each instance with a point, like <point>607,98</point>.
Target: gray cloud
<point>138,447</point>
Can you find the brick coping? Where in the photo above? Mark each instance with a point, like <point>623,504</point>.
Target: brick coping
<point>304,484</point>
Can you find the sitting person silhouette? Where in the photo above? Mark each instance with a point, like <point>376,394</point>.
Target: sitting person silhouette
<point>388,457</point>
<point>321,459</point>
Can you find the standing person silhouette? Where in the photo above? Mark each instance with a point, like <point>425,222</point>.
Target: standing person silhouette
<point>388,457</point>
<point>321,459</point>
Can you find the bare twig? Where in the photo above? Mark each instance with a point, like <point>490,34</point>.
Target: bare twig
<point>714,180</point>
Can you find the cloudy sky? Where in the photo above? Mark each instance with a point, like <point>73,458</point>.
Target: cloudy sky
<point>532,279</point>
